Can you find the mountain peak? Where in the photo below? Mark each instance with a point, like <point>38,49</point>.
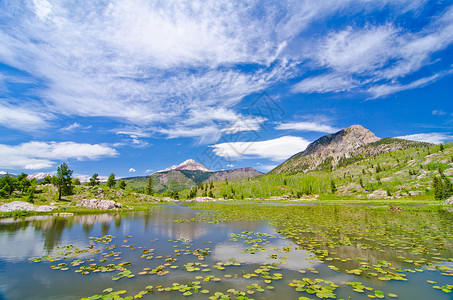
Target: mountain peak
<point>189,164</point>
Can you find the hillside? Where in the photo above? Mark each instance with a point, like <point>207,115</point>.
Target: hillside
<point>405,173</point>
<point>178,180</point>
<point>336,150</point>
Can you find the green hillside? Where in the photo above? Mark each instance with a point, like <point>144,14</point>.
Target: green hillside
<point>399,174</point>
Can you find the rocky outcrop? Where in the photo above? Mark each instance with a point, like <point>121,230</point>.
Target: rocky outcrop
<point>234,174</point>
<point>99,204</point>
<point>19,205</point>
<point>345,147</point>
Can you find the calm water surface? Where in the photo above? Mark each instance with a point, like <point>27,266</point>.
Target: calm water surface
<point>39,236</point>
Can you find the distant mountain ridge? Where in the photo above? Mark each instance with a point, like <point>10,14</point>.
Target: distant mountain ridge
<point>187,175</point>
<point>342,148</point>
<point>189,165</point>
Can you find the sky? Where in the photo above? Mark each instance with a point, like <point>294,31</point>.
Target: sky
<point>134,86</point>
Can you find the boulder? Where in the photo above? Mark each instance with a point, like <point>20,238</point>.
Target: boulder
<point>203,199</point>
<point>98,204</point>
<point>19,205</point>
<point>448,201</point>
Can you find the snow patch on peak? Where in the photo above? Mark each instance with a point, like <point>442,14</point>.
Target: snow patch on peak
<point>188,164</point>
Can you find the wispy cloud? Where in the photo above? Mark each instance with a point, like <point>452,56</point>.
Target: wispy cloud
<point>433,137</point>
<point>22,118</point>
<point>438,113</point>
<point>276,149</point>
<point>307,126</point>
<point>325,83</point>
<point>172,67</point>
<point>75,127</point>
<point>378,58</point>
<point>132,170</point>
<point>40,155</point>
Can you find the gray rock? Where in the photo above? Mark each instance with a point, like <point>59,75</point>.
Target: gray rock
<point>448,201</point>
<point>97,204</point>
<point>19,205</point>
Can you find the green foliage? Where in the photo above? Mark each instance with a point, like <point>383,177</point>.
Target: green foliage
<point>122,184</point>
<point>76,181</point>
<point>442,187</point>
<point>63,180</point>
<point>8,184</point>
<point>47,180</point>
<point>149,186</point>
<point>333,187</point>
<point>94,180</point>
<point>111,182</point>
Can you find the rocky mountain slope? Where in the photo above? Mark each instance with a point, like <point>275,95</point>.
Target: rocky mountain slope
<point>339,149</point>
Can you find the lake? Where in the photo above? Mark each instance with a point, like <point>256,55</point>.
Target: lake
<point>237,251</point>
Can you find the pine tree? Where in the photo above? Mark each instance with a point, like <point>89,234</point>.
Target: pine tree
<point>63,180</point>
<point>111,181</point>
<point>149,186</point>
<point>333,187</point>
<point>94,180</point>
<point>122,184</point>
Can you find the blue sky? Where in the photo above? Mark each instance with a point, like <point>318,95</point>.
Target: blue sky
<point>135,86</point>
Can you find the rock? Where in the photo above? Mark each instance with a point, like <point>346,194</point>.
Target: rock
<point>448,201</point>
<point>203,199</point>
<point>377,194</point>
<point>99,191</point>
<point>63,214</point>
<point>98,204</point>
<point>19,205</point>
<point>416,193</point>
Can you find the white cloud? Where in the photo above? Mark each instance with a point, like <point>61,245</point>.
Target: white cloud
<point>42,9</point>
<point>433,137</point>
<point>358,51</point>
<point>438,113</point>
<point>378,58</point>
<point>267,168</point>
<point>40,155</point>
<point>307,126</point>
<point>276,149</point>
<point>171,66</point>
<point>387,89</point>
<point>132,170</point>
<point>21,118</point>
<point>325,83</point>
<point>75,126</point>
<point>148,171</point>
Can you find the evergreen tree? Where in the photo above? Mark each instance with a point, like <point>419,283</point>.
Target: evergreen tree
<point>8,184</point>
<point>111,181</point>
<point>122,184</point>
<point>94,180</point>
<point>47,180</point>
<point>76,181</point>
<point>149,186</point>
<point>361,182</point>
<point>63,180</point>
<point>441,148</point>
<point>442,187</point>
<point>333,187</point>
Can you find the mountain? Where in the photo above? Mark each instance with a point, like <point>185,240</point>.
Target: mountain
<point>187,175</point>
<point>189,165</point>
<point>39,176</point>
<point>339,149</point>
<point>234,174</point>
